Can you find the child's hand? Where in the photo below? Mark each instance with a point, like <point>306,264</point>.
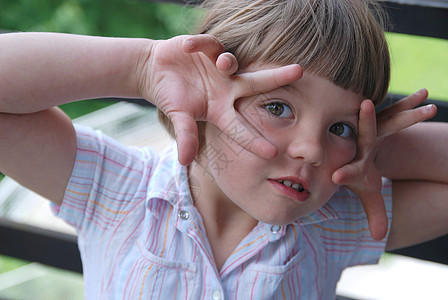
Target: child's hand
<point>361,175</point>
<point>189,78</point>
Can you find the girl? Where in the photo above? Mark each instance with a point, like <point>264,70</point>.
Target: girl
<point>262,198</point>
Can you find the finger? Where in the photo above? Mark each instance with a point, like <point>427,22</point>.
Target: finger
<point>405,119</point>
<point>266,80</point>
<point>406,103</point>
<point>372,201</point>
<point>186,134</point>
<point>347,174</point>
<point>205,43</point>
<point>227,64</point>
<point>367,131</point>
<point>238,134</point>
<point>367,137</point>
<point>376,214</point>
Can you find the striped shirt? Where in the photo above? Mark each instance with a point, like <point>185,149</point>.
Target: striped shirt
<point>141,237</point>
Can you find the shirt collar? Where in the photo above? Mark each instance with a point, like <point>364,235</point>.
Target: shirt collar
<point>169,181</point>
<point>325,213</point>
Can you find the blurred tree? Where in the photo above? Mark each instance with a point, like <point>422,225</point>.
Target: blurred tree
<point>128,18</point>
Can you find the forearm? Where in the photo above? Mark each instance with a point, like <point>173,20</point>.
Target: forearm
<point>41,70</point>
<point>419,213</point>
<point>38,150</point>
<point>416,160</point>
<point>417,153</point>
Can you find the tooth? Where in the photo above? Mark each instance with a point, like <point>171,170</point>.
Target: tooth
<point>295,186</point>
<point>287,183</point>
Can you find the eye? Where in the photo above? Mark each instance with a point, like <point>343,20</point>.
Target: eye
<point>279,109</point>
<point>343,130</point>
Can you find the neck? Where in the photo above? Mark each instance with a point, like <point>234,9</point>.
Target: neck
<point>225,223</point>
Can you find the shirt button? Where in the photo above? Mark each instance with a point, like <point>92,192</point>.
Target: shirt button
<point>216,295</point>
<point>275,229</point>
<point>184,215</point>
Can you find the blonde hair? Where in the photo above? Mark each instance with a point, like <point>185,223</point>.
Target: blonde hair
<point>340,40</point>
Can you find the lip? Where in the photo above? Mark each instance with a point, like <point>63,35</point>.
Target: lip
<point>290,192</point>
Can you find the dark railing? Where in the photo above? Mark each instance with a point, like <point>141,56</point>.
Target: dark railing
<point>425,17</point>
<point>422,17</point>
<point>33,243</point>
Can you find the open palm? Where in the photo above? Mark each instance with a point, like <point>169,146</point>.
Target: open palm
<point>190,78</point>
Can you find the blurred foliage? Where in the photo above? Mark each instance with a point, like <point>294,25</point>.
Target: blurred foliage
<point>80,108</point>
<point>119,18</point>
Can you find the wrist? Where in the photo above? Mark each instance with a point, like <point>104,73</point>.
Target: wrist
<point>125,67</point>
<point>139,78</point>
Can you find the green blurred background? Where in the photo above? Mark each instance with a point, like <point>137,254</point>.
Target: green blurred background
<point>419,62</point>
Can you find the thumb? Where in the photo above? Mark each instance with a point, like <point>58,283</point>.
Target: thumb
<point>186,134</point>
<point>347,174</point>
<point>376,215</point>
<point>261,81</point>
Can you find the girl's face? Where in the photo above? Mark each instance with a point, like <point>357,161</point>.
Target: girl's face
<point>312,122</point>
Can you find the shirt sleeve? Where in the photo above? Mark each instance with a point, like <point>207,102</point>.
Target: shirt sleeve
<point>349,240</point>
<point>106,183</point>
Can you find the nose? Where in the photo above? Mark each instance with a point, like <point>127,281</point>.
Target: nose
<point>308,147</point>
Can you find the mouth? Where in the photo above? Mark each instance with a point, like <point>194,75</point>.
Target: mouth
<point>294,185</point>
<point>291,187</point>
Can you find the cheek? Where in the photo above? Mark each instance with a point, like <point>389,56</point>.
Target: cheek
<point>343,153</point>
<point>223,157</point>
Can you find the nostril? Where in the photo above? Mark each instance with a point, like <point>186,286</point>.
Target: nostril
<point>310,153</point>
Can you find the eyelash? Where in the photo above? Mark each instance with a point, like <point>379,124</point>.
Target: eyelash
<point>283,105</point>
<point>353,132</point>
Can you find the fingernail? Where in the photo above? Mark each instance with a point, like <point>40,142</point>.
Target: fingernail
<point>421,90</point>
<point>428,108</point>
<point>190,44</point>
<point>229,62</point>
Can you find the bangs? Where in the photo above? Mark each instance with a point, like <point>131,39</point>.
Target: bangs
<point>342,41</point>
